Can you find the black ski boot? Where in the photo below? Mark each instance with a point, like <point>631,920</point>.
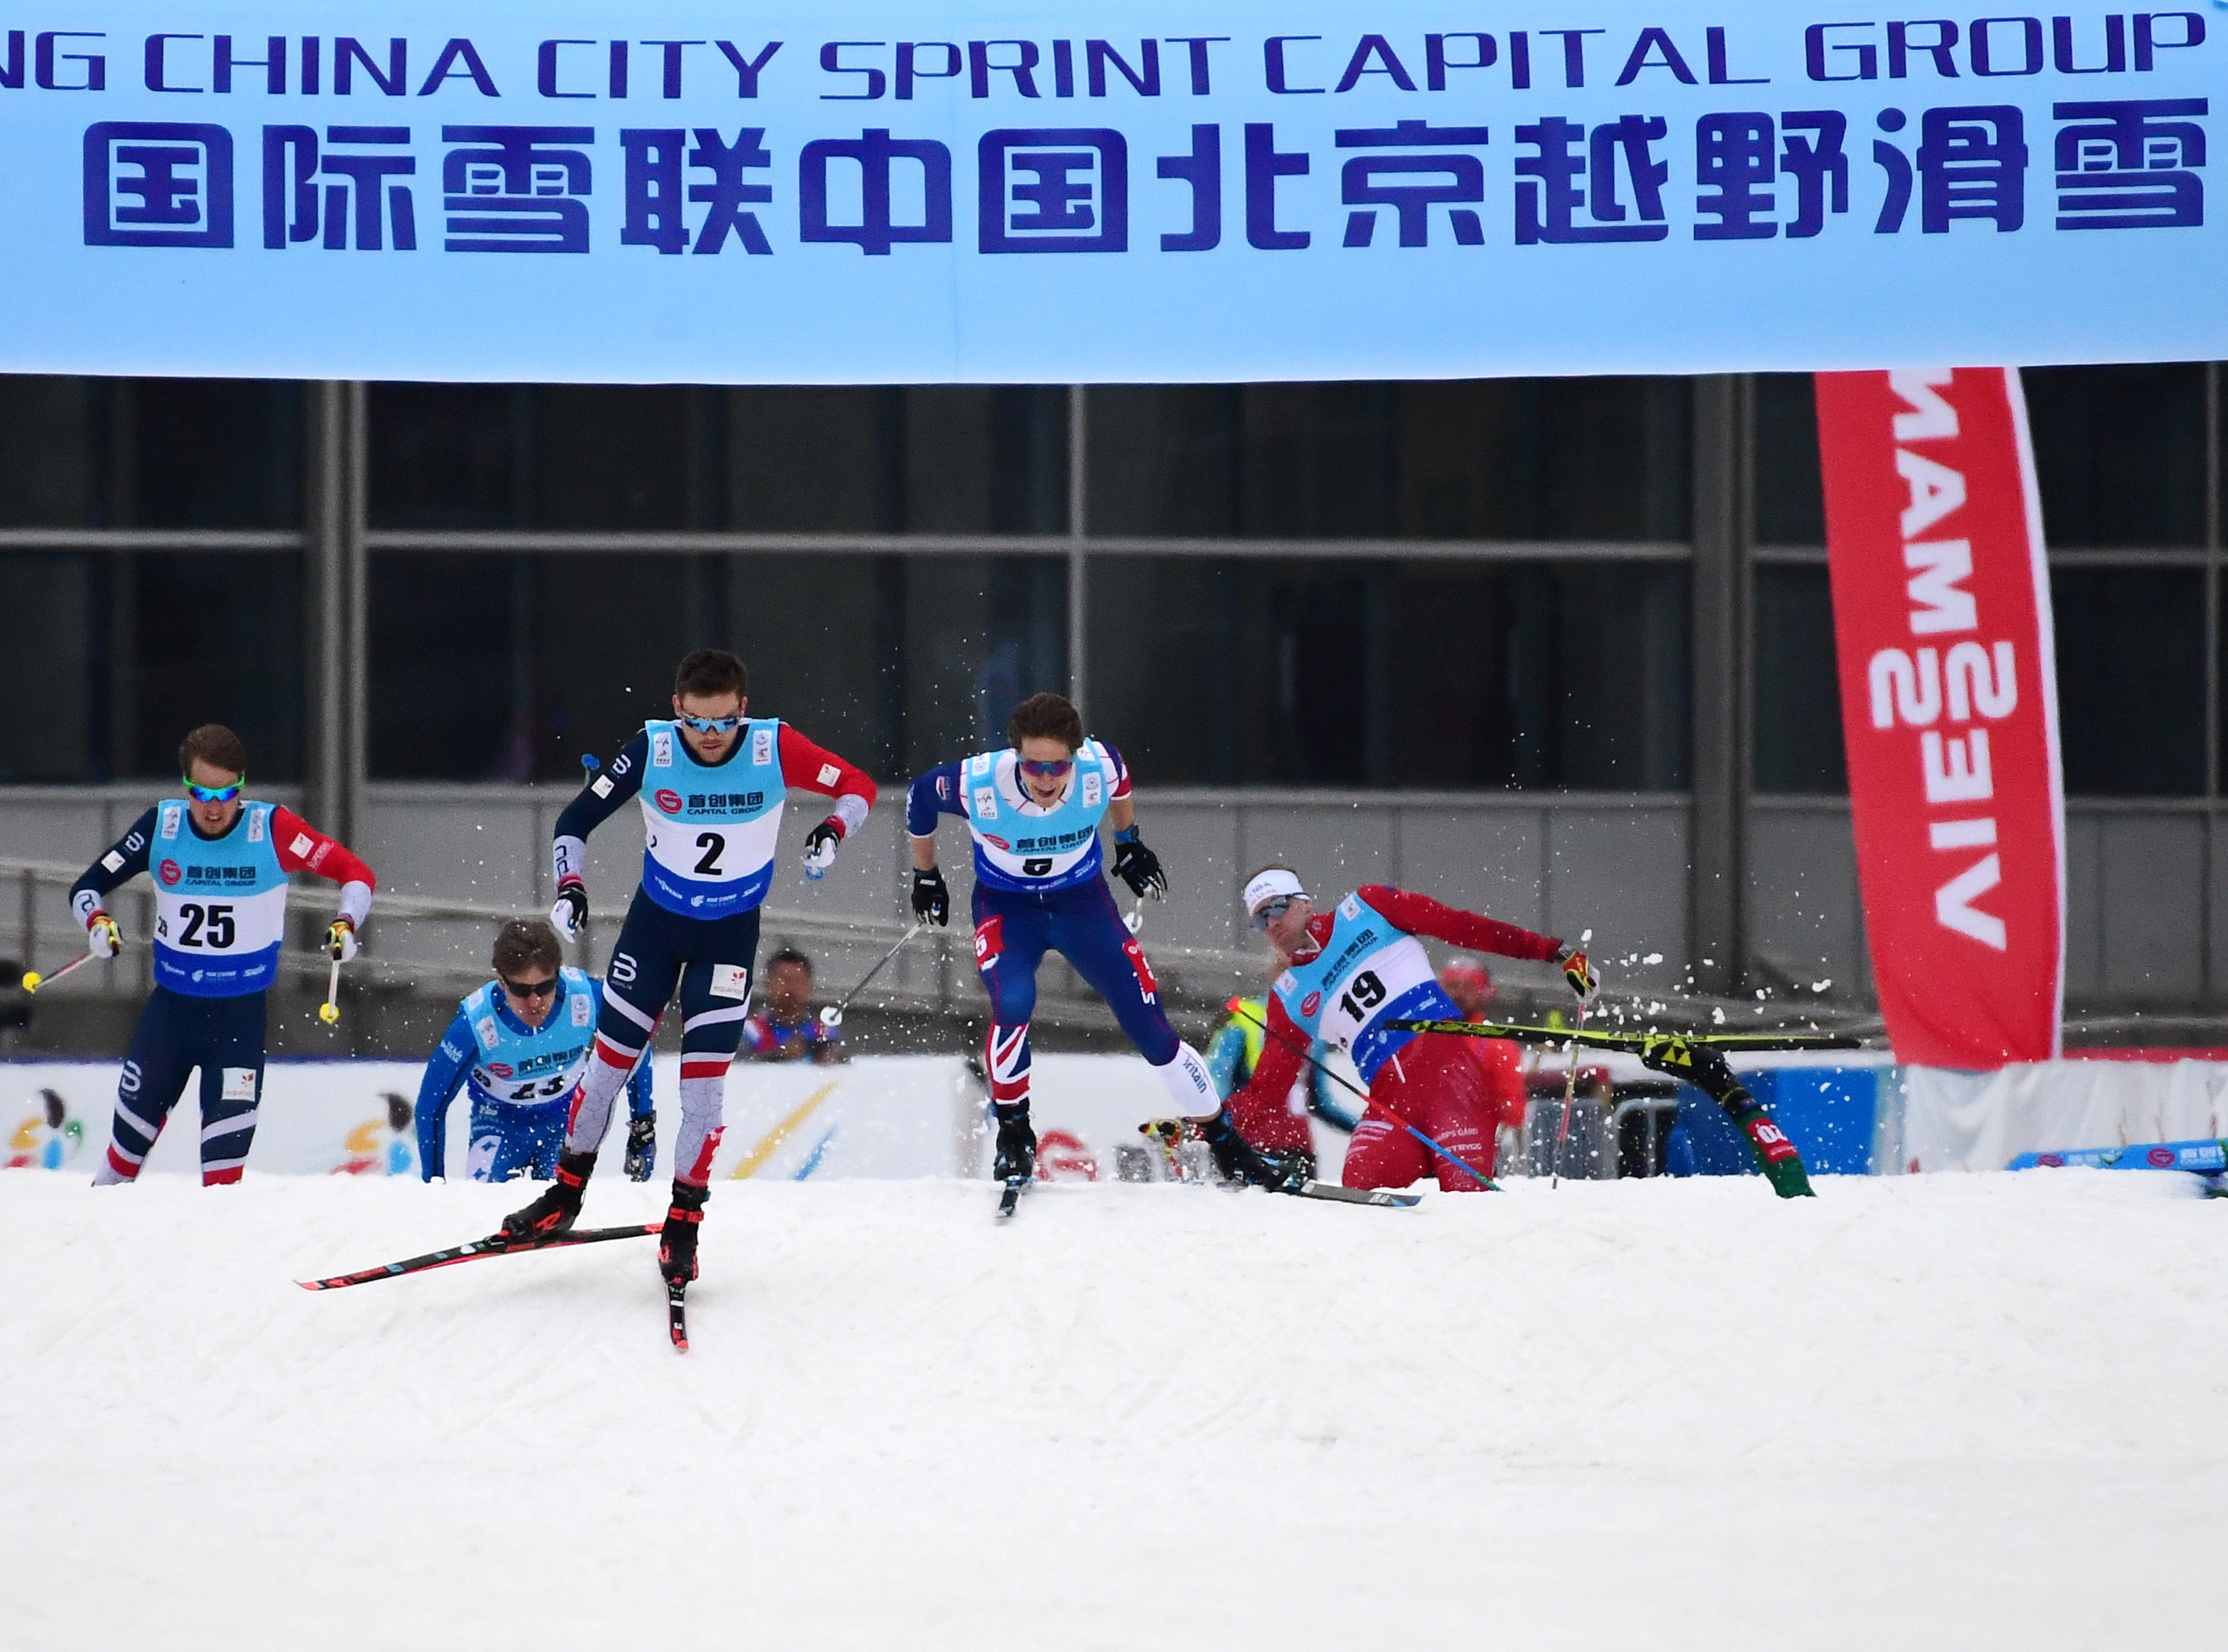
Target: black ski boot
<point>1017,1144</point>
<point>677,1241</point>
<point>1288,1167</point>
<point>1239,1159</point>
<point>558,1208</point>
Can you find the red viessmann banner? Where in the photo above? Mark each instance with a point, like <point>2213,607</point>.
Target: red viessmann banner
<point>1949,708</point>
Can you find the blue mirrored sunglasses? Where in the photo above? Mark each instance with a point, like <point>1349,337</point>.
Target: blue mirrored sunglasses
<point>1051,771</point>
<point>1269,910</point>
<point>214,794</point>
<point>714,724</point>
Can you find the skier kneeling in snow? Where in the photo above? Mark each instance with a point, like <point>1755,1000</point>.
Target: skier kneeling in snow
<point>1705,1069</point>
<point>1348,973</point>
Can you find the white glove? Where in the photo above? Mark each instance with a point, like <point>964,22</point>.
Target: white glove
<point>102,937</point>
<point>571,911</point>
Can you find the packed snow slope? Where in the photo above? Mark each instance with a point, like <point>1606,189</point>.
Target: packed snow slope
<point>1986,1411</point>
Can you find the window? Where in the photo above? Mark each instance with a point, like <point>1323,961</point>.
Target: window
<point>934,459</point>
<point>1273,671</point>
<point>1797,719</point>
<point>2130,660</point>
<point>128,649</point>
<point>508,667</point>
<point>2119,453</point>
<point>1508,459</point>
<point>150,453</point>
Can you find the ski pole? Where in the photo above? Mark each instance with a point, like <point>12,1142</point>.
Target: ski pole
<point>1569,1094</point>
<point>832,1016</point>
<point>33,980</point>
<point>1455,1159</point>
<point>330,1011</point>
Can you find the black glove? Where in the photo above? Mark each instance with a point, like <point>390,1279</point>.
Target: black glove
<point>570,910</point>
<point>642,1148</point>
<point>820,847</point>
<point>932,901</point>
<point>1140,868</point>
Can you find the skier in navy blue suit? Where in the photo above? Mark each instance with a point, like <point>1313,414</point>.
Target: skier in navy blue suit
<point>1033,811</point>
<point>520,1044</point>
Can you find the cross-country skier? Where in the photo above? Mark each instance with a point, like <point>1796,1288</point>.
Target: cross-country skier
<point>1502,1062</point>
<point>1033,811</point>
<point>712,785</point>
<point>221,863</point>
<point>520,1044</point>
<point>1346,972</point>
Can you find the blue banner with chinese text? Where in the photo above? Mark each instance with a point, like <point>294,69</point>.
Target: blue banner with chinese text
<point>854,192</point>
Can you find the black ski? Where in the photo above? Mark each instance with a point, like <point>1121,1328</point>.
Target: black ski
<point>1638,1043</point>
<point>496,1245</point>
<point>676,1313</point>
<point>1010,1198</point>
<point>1384,1197</point>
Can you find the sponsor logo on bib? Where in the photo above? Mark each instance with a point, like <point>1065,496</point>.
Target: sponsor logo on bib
<point>669,801</point>
<point>170,872</point>
<point>1311,1003</point>
<point>500,1069</point>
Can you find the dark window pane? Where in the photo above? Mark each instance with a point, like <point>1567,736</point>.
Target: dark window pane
<point>1546,458</point>
<point>509,667</point>
<point>1790,500</point>
<point>1244,671</point>
<point>2130,658</point>
<point>2119,453</point>
<point>130,649</point>
<point>934,459</point>
<point>150,453</point>
<point>609,456</point>
<point>812,460</point>
<point>1798,696</point>
<point>53,470</point>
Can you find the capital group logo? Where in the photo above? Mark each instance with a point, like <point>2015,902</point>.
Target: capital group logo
<point>2161,1158</point>
<point>170,872</point>
<point>1311,1003</point>
<point>500,1069</point>
<point>668,800</point>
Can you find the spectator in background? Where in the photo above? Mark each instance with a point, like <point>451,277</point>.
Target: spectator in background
<point>1503,1061</point>
<point>786,1029</point>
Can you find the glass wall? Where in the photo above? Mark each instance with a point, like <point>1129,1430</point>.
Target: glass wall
<point>2128,463</point>
<point>1461,585</point>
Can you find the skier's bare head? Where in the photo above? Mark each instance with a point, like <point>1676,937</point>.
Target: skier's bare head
<point>527,957</point>
<point>211,759</point>
<point>1046,730</point>
<point>710,689</point>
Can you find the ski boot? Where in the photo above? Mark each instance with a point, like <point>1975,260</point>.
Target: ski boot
<point>1017,1144</point>
<point>677,1241</point>
<point>1289,1168</point>
<point>1238,1159</point>
<point>559,1206</point>
<point>1705,1069</point>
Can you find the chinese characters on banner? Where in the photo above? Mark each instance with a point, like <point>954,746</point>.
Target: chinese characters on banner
<point>1942,625</point>
<point>1087,198</point>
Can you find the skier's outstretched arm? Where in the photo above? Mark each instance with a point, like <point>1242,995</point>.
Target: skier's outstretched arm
<point>445,1075</point>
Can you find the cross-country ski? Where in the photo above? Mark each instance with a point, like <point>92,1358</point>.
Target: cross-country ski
<point>478,1250</point>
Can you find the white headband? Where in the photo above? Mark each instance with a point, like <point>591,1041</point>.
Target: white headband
<point>1267,886</point>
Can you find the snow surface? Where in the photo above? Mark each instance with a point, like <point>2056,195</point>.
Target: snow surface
<point>1984,1410</point>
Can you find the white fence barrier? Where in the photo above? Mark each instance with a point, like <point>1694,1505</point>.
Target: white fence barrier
<point>1982,1121</point>
<point>885,1116</point>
